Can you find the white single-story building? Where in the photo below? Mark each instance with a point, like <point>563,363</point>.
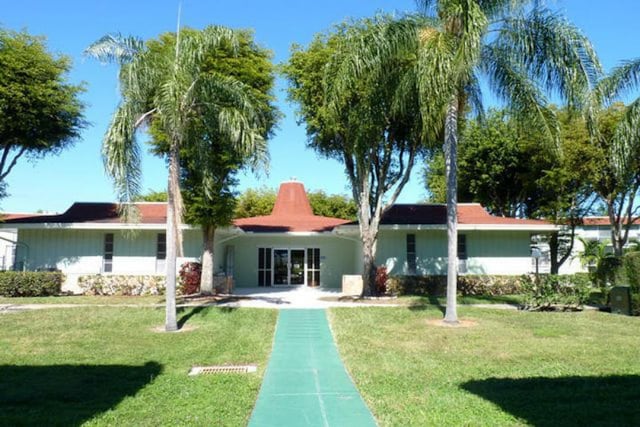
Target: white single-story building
<point>292,246</point>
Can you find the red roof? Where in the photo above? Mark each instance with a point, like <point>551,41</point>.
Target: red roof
<point>291,212</point>
<point>603,220</point>
<point>468,213</point>
<point>150,213</point>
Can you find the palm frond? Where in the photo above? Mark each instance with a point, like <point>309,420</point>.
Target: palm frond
<point>619,82</point>
<point>115,48</point>
<point>521,95</point>
<point>122,156</point>
<point>626,143</point>
<point>553,52</point>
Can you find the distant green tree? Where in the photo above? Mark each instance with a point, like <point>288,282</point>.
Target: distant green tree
<point>40,113</point>
<point>152,196</point>
<point>255,202</point>
<point>259,202</point>
<point>333,205</point>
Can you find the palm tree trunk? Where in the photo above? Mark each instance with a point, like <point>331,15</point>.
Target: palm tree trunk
<point>206,279</point>
<point>172,239</point>
<point>451,154</point>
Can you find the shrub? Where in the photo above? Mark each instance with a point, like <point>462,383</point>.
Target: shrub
<point>190,273</point>
<point>99,284</point>
<point>631,270</point>
<point>381,280</point>
<point>548,291</point>
<point>467,285</point>
<point>635,304</point>
<point>30,284</point>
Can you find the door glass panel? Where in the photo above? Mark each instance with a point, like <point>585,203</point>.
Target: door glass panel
<point>280,266</point>
<point>297,266</point>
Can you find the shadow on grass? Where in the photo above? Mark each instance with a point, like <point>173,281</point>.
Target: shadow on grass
<point>427,302</point>
<point>608,400</point>
<point>190,312</point>
<point>67,395</point>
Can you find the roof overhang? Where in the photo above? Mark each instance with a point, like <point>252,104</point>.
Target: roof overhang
<point>107,226</point>
<point>532,228</point>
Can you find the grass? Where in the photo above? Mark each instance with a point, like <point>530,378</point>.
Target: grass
<point>86,299</point>
<point>147,300</point>
<point>513,368</point>
<point>105,366</point>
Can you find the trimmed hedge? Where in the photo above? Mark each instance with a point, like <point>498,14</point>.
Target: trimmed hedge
<point>99,284</point>
<point>30,283</point>
<point>467,285</point>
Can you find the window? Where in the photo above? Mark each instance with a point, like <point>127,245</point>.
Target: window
<point>462,246</point>
<point>107,260</point>
<point>411,253</point>
<point>462,253</point>
<point>161,252</point>
<point>313,266</point>
<point>264,266</point>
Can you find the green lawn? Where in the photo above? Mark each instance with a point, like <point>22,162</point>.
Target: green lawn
<point>87,299</point>
<point>514,368</point>
<point>105,366</point>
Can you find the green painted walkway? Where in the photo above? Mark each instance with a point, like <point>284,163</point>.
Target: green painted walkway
<point>306,383</point>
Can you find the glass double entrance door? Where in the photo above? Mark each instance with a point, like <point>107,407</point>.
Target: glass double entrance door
<point>288,266</point>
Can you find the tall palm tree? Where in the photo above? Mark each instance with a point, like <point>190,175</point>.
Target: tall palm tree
<point>170,89</point>
<point>620,140</point>
<point>522,50</point>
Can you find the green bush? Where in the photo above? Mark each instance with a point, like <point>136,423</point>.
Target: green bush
<point>108,284</point>
<point>468,285</point>
<point>30,284</point>
<point>635,304</point>
<point>631,270</point>
<point>549,291</point>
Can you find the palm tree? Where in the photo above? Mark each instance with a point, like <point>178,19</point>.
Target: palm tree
<point>523,51</point>
<point>615,129</point>
<point>170,89</point>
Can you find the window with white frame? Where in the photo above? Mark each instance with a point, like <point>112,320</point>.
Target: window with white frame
<point>161,252</point>
<point>107,259</point>
<point>411,253</point>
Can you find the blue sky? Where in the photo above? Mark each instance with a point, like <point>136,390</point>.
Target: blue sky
<point>53,183</point>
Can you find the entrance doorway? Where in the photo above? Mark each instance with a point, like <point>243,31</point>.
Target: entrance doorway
<point>288,266</point>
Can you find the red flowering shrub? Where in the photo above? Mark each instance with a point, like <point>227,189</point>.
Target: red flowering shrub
<point>190,273</point>
<point>381,280</point>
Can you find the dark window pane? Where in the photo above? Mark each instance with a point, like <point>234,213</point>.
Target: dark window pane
<point>316,258</point>
<point>462,246</point>
<point>267,280</point>
<point>309,259</point>
<point>316,278</point>
<point>261,278</point>
<point>261,258</point>
<point>267,254</point>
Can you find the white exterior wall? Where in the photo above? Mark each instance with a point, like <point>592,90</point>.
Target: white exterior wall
<point>488,252</point>
<point>80,252</point>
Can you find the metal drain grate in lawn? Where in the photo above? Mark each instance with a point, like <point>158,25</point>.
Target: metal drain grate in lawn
<point>222,369</point>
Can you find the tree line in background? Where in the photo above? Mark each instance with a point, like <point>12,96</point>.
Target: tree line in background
<point>376,94</point>
<point>260,201</point>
